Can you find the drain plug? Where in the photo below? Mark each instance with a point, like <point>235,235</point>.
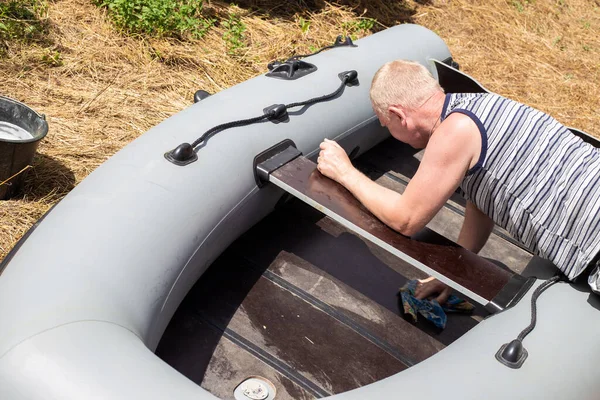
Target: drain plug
<point>254,388</point>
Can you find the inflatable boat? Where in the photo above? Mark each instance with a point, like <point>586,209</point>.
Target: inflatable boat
<point>282,302</point>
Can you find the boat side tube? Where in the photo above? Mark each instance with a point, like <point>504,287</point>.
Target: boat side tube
<point>86,298</point>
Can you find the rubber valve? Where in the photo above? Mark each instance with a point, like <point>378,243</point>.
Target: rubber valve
<point>512,354</point>
<point>182,154</point>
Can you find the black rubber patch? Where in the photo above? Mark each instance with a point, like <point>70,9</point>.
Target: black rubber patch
<point>291,70</point>
<point>273,158</point>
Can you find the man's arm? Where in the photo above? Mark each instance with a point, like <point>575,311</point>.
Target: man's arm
<point>449,154</point>
<point>476,229</point>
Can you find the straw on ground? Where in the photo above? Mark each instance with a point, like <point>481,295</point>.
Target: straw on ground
<point>101,88</point>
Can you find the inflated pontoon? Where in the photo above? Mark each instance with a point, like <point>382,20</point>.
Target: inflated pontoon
<point>86,296</point>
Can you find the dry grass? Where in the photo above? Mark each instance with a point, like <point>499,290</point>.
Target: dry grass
<point>544,53</point>
<point>109,89</point>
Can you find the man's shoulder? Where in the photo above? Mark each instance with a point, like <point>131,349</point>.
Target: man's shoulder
<point>458,122</point>
<point>458,136</point>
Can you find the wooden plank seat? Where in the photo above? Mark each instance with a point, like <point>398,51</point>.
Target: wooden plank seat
<point>466,272</point>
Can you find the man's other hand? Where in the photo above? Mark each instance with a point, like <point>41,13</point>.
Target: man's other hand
<point>429,287</point>
<point>333,162</point>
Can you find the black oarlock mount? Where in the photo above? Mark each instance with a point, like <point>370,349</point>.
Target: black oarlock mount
<point>294,68</point>
<point>290,70</point>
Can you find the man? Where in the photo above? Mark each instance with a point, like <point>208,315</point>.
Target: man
<point>518,167</point>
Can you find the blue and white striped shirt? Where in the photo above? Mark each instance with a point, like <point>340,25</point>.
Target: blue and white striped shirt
<point>534,178</point>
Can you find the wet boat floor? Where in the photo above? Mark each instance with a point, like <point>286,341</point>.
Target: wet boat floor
<point>311,307</point>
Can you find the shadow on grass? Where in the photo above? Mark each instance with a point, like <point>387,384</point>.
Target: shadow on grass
<point>49,177</point>
<point>21,21</point>
<point>386,13</point>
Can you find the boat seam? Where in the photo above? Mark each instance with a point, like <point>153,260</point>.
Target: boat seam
<point>340,317</point>
<point>265,356</point>
<point>62,325</point>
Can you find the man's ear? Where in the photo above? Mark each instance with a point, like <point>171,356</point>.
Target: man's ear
<point>399,112</point>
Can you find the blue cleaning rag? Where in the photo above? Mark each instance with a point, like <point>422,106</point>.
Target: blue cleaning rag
<point>431,309</point>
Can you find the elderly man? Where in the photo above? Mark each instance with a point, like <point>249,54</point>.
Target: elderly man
<point>518,167</point>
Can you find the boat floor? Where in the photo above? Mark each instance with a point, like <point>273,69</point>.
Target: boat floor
<point>311,307</point>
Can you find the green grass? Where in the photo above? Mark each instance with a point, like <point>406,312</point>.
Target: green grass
<point>52,58</point>
<point>521,4</point>
<point>178,18</point>
<point>586,24</point>
<point>234,33</point>
<point>360,25</point>
<point>558,42</point>
<point>304,25</point>
<point>21,20</point>
<point>518,5</point>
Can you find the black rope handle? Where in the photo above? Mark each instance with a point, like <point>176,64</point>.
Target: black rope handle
<point>233,124</point>
<point>339,42</point>
<point>513,354</point>
<point>536,293</point>
<point>348,78</point>
<point>277,111</point>
<point>185,153</point>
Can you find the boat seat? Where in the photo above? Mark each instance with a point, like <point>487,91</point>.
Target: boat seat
<point>486,283</point>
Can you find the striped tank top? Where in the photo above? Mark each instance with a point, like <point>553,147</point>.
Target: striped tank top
<point>534,178</point>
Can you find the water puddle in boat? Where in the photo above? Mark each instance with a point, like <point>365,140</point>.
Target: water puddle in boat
<point>13,132</point>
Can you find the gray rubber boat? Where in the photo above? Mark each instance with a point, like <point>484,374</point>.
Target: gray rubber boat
<point>293,301</point>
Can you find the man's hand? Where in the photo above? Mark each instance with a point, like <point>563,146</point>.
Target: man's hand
<point>333,162</point>
<point>428,287</point>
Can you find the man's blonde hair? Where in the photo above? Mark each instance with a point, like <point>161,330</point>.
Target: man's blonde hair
<point>404,83</point>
